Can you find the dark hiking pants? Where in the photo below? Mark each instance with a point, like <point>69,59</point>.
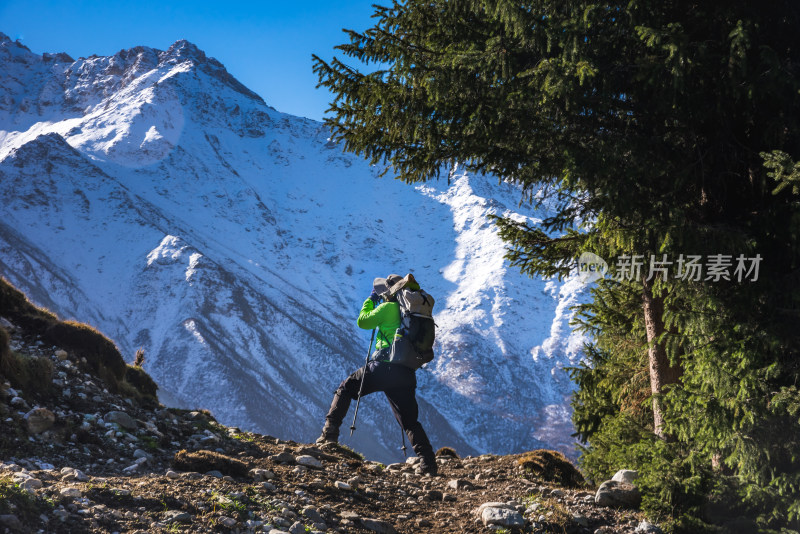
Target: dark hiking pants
<point>398,383</point>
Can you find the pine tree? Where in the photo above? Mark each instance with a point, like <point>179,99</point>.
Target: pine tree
<point>654,128</point>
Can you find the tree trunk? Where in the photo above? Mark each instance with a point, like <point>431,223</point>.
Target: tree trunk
<point>661,372</point>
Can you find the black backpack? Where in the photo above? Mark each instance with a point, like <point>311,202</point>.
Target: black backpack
<point>413,341</point>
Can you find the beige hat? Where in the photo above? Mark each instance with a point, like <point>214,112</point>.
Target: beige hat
<point>384,286</point>
<point>392,284</point>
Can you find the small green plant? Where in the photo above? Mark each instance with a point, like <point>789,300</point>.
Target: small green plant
<point>230,504</point>
<point>149,442</point>
<point>350,452</point>
<point>530,499</point>
<point>15,500</point>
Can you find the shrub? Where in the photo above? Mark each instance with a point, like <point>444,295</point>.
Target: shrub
<point>138,378</point>
<point>551,466</point>
<point>84,341</point>
<point>447,452</point>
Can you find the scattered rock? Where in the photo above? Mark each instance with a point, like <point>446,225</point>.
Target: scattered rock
<point>39,420</point>
<point>260,475</point>
<point>313,514</point>
<point>30,484</point>
<point>435,495</point>
<point>309,461</point>
<point>625,475</point>
<point>68,474</point>
<point>70,492</point>
<point>645,527</point>
<point>227,522</point>
<point>122,419</point>
<point>618,494</point>
<point>460,484</point>
<point>61,354</point>
<point>580,520</point>
<point>376,525</point>
<point>503,517</point>
<point>175,516</point>
<point>283,458</point>
<point>486,505</point>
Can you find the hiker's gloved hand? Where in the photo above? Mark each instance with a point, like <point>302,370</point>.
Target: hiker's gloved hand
<point>375,297</point>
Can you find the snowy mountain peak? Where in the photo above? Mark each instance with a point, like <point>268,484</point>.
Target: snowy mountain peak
<point>183,50</point>
<point>44,148</point>
<point>153,195</point>
<point>5,40</point>
<point>14,52</point>
<point>11,50</point>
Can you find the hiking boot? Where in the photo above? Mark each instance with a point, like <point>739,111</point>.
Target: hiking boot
<point>427,466</point>
<point>329,435</point>
<point>325,438</point>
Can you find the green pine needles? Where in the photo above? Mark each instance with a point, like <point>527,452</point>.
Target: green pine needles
<point>660,130</point>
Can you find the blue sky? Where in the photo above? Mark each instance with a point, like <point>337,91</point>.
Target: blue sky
<point>265,45</point>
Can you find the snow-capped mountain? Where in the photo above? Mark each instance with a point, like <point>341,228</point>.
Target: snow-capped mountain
<point>154,196</point>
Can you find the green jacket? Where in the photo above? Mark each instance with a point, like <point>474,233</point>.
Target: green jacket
<point>386,317</point>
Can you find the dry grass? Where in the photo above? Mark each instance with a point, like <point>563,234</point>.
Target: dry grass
<point>81,340</point>
<point>86,342</point>
<point>139,379</point>
<point>551,466</point>
<point>15,305</point>
<point>447,452</point>
<point>205,461</point>
<point>25,372</point>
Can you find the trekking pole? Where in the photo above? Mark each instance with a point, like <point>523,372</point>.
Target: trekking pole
<point>402,433</point>
<point>361,387</point>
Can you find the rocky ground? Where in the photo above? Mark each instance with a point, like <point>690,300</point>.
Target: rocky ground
<point>81,459</point>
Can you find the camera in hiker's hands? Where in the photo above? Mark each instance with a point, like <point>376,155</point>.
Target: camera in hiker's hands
<point>375,297</point>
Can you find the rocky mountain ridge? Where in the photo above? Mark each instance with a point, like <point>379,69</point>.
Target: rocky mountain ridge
<point>76,457</point>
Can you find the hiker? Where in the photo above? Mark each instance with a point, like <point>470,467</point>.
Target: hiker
<point>397,382</point>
